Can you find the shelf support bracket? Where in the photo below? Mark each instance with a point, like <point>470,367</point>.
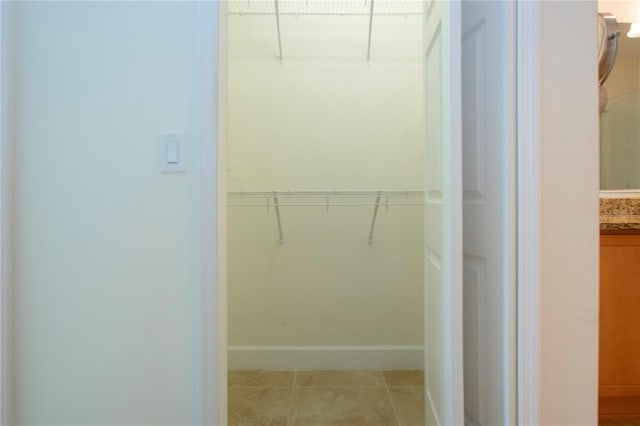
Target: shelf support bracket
<point>277,209</point>
<point>278,27</point>
<point>370,29</point>
<point>373,220</point>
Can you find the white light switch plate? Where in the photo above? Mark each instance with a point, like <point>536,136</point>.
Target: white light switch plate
<point>172,152</point>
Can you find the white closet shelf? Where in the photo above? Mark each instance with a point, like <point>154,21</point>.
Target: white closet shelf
<point>297,199</point>
<point>330,198</point>
<point>368,8</point>
<point>326,7</point>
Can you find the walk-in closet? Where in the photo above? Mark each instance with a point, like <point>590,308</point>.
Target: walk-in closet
<point>325,172</point>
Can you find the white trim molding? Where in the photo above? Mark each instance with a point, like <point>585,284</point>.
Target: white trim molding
<point>6,204</point>
<point>212,210</point>
<point>221,203</point>
<point>407,357</point>
<point>529,212</point>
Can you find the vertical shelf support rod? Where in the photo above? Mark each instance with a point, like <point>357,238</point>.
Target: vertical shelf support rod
<point>277,208</point>
<point>373,220</point>
<point>278,26</point>
<point>370,29</point>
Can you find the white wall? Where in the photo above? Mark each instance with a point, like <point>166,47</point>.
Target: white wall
<point>6,230</point>
<point>106,298</point>
<point>325,119</point>
<point>569,209</point>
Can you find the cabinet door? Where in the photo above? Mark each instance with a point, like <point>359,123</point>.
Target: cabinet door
<point>619,325</point>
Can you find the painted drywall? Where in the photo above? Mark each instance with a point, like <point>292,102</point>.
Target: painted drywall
<point>325,119</point>
<point>569,214</point>
<point>6,230</point>
<point>106,297</point>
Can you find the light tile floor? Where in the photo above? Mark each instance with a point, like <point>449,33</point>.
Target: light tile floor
<point>326,398</point>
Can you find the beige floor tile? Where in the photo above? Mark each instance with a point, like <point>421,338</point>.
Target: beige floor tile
<point>340,378</point>
<point>259,406</point>
<point>260,378</point>
<point>342,406</point>
<point>408,403</point>
<point>404,377</point>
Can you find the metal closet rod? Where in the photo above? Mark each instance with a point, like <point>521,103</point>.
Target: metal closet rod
<point>295,14</point>
<point>382,204</point>
<point>327,195</point>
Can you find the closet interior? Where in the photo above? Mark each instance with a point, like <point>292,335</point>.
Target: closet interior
<point>325,171</point>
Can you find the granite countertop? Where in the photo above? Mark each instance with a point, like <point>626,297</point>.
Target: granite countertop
<point>619,210</point>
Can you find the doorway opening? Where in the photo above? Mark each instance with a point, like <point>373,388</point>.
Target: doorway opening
<point>325,175</point>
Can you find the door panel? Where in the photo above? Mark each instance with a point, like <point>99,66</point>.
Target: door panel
<point>443,215</point>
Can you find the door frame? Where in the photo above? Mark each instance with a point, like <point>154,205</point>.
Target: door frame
<point>528,212</point>
<point>212,218</point>
<point>6,205</point>
<point>213,279</point>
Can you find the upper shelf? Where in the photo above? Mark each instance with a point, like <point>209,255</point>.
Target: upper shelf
<point>326,7</point>
<point>369,8</point>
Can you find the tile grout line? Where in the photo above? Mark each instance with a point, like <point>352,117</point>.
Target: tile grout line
<point>256,386</point>
<point>393,407</point>
<point>339,385</point>
<point>293,391</point>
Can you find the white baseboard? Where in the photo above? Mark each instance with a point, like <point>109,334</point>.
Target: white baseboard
<point>325,357</point>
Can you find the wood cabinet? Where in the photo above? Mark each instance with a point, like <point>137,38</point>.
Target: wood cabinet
<point>619,374</point>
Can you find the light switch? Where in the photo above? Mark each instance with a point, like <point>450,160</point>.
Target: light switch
<point>172,152</point>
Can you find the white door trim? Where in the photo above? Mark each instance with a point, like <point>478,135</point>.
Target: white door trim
<point>3,229</point>
<point>6,205</point>
<point>528,212</point>
<point>212,40</point>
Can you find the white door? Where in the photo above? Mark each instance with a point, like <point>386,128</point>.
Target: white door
<point>488,140</point>
<point>443,215</point>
